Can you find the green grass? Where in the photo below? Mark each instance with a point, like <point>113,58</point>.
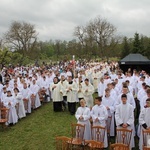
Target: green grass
<point>37,131</point>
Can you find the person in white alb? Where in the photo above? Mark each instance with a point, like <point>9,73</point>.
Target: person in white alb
<point>124,117</point>
<point>26,93</point>
<point>57,95</point>
<point>35,100</point>
<point>144,122</point>
<point>101,87</point>
<point>108,101</point>
<point>10,103</point>
<point>99,116</point>
<point>83,115</point>
<point>88,90</point>
<point>71,92</point>
<point>130,98</point>
<point>20,105</point>
<point>143,100</point>
<point>80,86</point>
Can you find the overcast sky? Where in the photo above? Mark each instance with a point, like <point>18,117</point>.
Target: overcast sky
<point>56,19</point>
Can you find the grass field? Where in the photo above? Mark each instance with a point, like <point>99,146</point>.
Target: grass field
<point>38,130</point>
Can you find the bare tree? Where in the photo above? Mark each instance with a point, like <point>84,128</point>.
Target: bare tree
<point>21,37</point>
<point>80,33</point>
<point>98,31</point>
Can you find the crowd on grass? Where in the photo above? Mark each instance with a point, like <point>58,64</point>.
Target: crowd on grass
<point>23,89</point>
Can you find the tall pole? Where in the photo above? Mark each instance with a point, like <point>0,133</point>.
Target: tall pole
<point>73,58</point>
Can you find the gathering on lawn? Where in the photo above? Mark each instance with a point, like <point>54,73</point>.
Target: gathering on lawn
<point>122,99</point>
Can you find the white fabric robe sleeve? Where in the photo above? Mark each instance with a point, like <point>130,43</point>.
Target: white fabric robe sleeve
<point>131,118</point>
<point>118,119</point>
<point>93,115</point>
<point>19,96</point>
<point>85,115</point>
<point>112,109</point>
<point>104,116</point>
<point>141,117</point>
<point>90,90</point>
<point>132,101</point>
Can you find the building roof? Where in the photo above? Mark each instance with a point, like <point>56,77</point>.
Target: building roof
<point>134,59</point>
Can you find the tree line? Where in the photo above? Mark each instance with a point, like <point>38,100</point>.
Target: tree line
<point>98,39</point>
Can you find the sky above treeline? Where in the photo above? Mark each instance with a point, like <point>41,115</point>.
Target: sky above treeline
<point>57,19</point>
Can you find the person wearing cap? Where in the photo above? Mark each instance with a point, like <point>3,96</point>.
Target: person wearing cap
<point>124,117</point>
<point>144,121</point>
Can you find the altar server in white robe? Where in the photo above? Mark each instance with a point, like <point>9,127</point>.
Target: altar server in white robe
<point>10,103</point>
<point>143,100</point>
<point>57,95</point>
<point>101,87</point>
<point>44,85</point>
<point>88,90</point>
<point>83,115</point>
<point>99,116</point>
<point>95,80</point>
<point>130,98</point>
<point>124,117</point>
<point>3,95</point>
<point>35,100</point>
<point>80,86</point>
<point>20,105</point>
<point>26,93</point>
<point>64,83</point>
<point>108,101</point>
<point>144,122</point>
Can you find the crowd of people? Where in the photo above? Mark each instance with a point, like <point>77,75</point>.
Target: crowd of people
<point>22,89</point>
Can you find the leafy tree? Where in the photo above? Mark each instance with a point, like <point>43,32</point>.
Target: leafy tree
<point>21,37</point>
<point>136,44</point>
<point>125,47</point>
<point>46,48</point>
